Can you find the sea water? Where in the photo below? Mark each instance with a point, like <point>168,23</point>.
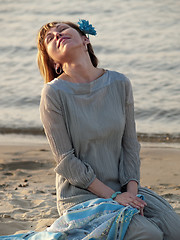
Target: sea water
<point>138,38</point>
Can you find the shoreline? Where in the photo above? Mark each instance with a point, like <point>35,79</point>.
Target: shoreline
<point>36,133</point>
<point>27,180</point>
<point>23,138</point>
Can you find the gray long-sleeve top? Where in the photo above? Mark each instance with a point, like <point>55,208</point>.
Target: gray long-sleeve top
<point>91,131</point>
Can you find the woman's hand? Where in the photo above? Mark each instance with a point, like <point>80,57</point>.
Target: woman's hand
<point>132,187</point>
<point>127,198</point>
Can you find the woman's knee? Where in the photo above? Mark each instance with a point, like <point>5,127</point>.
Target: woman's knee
<point>173,234</point>
<point>142,229</point>
<point>153,233</point>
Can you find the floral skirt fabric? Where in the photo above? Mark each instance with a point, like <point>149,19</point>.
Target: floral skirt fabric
<point>94,219</point>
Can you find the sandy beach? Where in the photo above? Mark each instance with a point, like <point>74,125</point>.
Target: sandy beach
<point>27,182</point>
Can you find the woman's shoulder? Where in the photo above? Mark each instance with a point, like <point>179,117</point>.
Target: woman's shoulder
<point>50,89</point>
<point>119,77</point>
<point>52,85</point>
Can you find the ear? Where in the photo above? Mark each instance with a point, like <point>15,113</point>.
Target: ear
<point>85,40</point>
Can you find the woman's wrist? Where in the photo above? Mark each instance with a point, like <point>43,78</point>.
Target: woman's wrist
<point>114,195</point>
<point>132,187</point>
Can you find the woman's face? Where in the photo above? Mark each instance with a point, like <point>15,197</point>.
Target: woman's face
<point>59,40</point>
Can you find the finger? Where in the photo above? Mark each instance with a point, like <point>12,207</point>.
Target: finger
<point>138,204</point>
<point>141,212</point>
<point>123,203</point>
<point>141,201</point>
<point>132,204</point>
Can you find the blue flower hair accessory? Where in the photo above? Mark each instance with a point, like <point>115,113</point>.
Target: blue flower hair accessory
<point>86,28</point>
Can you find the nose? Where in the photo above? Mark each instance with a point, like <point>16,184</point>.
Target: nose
<point>57,35</point>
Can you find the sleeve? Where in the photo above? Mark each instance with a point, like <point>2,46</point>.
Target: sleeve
<point>71,168</point>
<point>129,168</point>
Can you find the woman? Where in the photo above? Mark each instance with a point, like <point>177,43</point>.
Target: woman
<point>88,117</point>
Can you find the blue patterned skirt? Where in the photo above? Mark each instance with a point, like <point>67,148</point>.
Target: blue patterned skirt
<point>94,219</point>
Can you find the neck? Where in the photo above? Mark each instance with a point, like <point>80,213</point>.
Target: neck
<point>80,70</point>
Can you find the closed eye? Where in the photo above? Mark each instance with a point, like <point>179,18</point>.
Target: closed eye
<point>49,37</point>
<point>61,28</point>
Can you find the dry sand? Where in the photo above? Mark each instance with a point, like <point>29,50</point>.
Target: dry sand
<point>27,183</point>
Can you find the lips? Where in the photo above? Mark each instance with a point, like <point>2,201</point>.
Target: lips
<point>61,39</point>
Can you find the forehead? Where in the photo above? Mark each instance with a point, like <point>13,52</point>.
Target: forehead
<point>56,27</point>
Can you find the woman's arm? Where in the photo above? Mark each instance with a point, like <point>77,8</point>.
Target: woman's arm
<point>129,168</point>
<point>68,165</point>
<point>100,189</point>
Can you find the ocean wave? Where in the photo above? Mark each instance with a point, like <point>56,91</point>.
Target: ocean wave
<point>157,113</point>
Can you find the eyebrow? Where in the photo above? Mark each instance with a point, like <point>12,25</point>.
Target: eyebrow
<point>58,25</point>
<point>49,33</point>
